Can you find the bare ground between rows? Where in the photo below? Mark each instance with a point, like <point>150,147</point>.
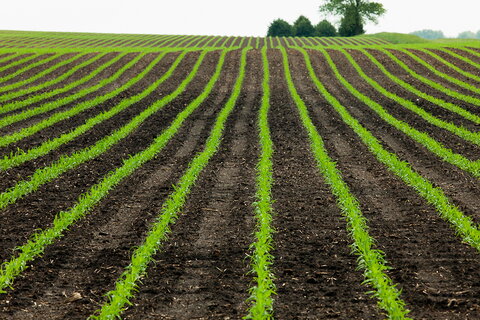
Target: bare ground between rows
<point>12,70</point>
<point>398,71</point>
<point>437,273</point>
<point>458,185</point>
<point>440,66</point>
<point>27,74</point>
<point>91,257</point>
<point>9,177</point>
<point>372,71</point>
<point>445,137</point>
<point>465,54</point>
<point>127,75</point>
<point>100,130</point>
<point>82,72</point>
<point>423,71</point>
<point>85,71</point>
<point>315,273</point>
<point>12,59</point>
<point>463,65</point>
<point>202,271</point>
<point>53,74</point>
<point>37,209</point>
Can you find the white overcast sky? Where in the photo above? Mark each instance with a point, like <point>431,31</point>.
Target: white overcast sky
<point>217,17</point>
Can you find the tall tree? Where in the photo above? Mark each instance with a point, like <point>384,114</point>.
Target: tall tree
<point>303,27</point>
<point>353,11</point>
<point>325,29</point>
<point>280,28</point>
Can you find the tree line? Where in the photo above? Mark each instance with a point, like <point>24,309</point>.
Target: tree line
<point>437,34</point>
<point>353,13</point>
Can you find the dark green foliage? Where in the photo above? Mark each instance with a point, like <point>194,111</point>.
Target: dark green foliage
<point>351,23</point>
<point>429,34</point>
<point>354,14</point>
<point>280,28</point>
<point>325,29</point>
<point>303,27</point>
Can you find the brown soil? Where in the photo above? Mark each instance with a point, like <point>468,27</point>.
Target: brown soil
<point>202,271</point>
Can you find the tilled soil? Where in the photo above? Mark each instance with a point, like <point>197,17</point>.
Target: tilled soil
<point>202,270</point>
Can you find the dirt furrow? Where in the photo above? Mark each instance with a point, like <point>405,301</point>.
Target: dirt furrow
<point>89,259</point>
<point>423,71</point>
<point>372,71</point>
<point>316,274</point>
<point>458,185</point>
<point>38,208</point>
<point>201,271</point>
<point>448,139</point>
<point>435,270</point>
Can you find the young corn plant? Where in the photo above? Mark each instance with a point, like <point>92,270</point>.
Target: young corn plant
<point>20,156</point>
<point>143,255</point>
<point>463,133</point>
<point>423,138</point>
<point>437,101</point>
<point>87,201</point>
<point>261,259</point>
<point>452,93</point>
<point>463,225</point>
<point>443,75</point>
<point>370,260</point>
<point>44,85</point>
<point>66,163</point>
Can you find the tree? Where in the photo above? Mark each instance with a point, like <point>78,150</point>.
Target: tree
<point>353,12</point>
<point>478,34</point>
<point>351,24</point>
<point>429,34</point>
<point>280,28</point>
<point>303,27</point>
<point>325,29</point>
<point>467,35</point>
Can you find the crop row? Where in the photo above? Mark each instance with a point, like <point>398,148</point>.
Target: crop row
<point>371,260</point>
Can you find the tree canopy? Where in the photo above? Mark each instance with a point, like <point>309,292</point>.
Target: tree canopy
<point>302,27</point>
<point>354,13</point>
<point>280,28</point>
<point>325,29</point>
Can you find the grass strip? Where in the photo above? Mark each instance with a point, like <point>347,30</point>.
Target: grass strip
<point>370,260</point>
<point>21,156</point>
<point>63,220</point>
<point>450,65</point>
<point>439,102</point>
<point>261,259</point>
<point>65,163</point>
<point>126,285</point>
<point>447,155</point>
<point>462,132</point>
<point>443,75</point>
<point>11,95</point>
<point>44,95</point>
<point>463,225</point>
<point>430,83</point>
<point>41,73</point>
<point>30,66</point>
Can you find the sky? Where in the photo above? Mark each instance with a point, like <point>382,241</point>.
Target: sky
<point>220,17</point>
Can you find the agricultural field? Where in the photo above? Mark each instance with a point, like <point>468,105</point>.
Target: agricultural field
<point>205,177</point>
